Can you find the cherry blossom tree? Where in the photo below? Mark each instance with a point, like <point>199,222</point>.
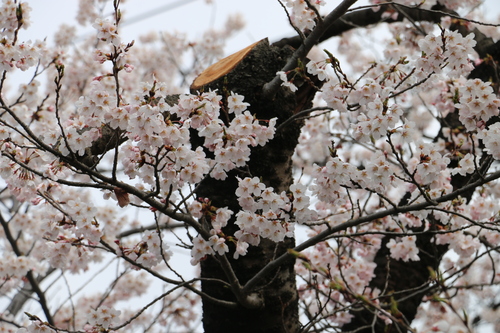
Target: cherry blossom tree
<point>349,189</point>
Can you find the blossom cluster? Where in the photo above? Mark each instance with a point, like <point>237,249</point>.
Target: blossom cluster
<point>22,56</point>
<point>150,127</point>
<point>332,180</point>
<point>107,31</point>
<point>491,139</point>
<point>16,266</point>
<point>467,164</point>
<point>10,11</point>
<point>64,233</point>
<point>217,240</point>
<point>103,317</point>
<point>477,103</point>
<point>428,166</point>
<point>268,214</point>
<point>230,144</point>
<point>377,118</point>
<point>36,326</point>
<point>302,16</point>
<point>462,244</point>
<point>335,95</point>
<point>149,252</point>
<point>264,214</point>
<point>450,49</point>
<point>404,249</point>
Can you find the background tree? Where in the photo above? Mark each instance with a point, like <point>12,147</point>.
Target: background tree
<point>389,177</point>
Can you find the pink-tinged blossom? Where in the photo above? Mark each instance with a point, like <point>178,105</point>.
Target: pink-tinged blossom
<point>286,83</point>
<point>219,244</point>
<point>222,215</point>
<point>370,91</point>
<point>450,49</point>
<point>23,55</point>
<point>107,31</point>
<point>381,174</point>
<point>461,244</point>
<point>148,259</point>
<point>150,251</point>
<point>8,17</point>
<point>330,179</point>
<point>491,139</point>
<point>467,164</point>
<point>268,214</point>
<point>104,317</point>
<point>406,133</point>
<point>36,327</point>
<point>404,249</point>
<point>302,16</point>
<point>200,110</point>
<point>482,208</point>
<point>235,103</point>
<point>375,123</point>
<point>195,209</point>
<point>23,183</point>
<point>241,249</point>
<point>17,266</point>
<point>247,221</point>
<point>300,197</point>
<point>477,103</point>
<point>429,165</point>
<point>231,144</point>
<point>200,249</point>
<point>465,245</point>
<point>57,254</point>
<point>249,186</point>
<point>335,95</point>
<point>318,68</point>
<point>373,117</point>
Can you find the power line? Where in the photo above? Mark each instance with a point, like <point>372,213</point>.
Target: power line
<point>156,11</point>
<point>140,17</point>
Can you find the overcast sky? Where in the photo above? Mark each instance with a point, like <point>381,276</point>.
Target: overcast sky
<point>264,18</point>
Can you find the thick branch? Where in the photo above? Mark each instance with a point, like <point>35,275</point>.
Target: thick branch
<point>367,17</point>
<point>312,39</point>
<point>358,221</point>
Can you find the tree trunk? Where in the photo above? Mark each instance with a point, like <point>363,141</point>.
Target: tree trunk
<point>245,73</point>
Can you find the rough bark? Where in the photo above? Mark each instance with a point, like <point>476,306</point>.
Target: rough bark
<point>273,165</point>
